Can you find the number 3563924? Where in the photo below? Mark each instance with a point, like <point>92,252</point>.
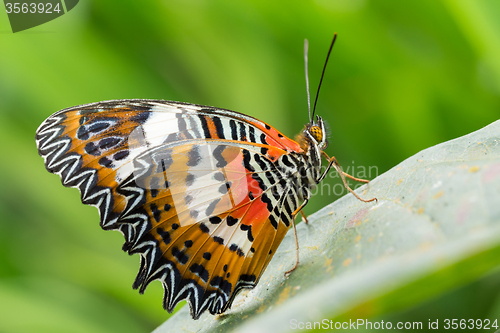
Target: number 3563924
<point>32,8</point>
<point>470,324</point>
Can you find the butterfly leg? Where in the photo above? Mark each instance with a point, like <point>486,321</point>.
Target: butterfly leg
<point>333,162</point>
<point>296,238</point>
<point>356,179</point>
<point>304,217</point>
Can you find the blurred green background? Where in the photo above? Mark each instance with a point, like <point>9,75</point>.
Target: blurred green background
<point>403,76</point>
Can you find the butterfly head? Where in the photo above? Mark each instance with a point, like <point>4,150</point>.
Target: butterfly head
<point>315,134</point>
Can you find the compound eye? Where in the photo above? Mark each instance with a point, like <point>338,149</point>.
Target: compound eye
<point>316,133</point>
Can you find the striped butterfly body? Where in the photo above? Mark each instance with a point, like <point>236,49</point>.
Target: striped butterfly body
<point>204,195</point>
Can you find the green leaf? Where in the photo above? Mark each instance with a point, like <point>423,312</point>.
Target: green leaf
<point>436,226</point>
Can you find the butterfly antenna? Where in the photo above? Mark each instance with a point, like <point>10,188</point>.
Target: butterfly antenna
<point>323,73</point>
<point>306,49</point>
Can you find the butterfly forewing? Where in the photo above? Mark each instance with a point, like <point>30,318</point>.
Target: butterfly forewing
<point>199,192</point>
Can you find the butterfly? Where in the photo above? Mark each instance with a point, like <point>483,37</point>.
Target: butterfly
<point>204,195</point>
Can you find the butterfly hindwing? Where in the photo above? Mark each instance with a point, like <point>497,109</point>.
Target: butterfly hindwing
<point>204,217</point>
<point>199,192</point>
